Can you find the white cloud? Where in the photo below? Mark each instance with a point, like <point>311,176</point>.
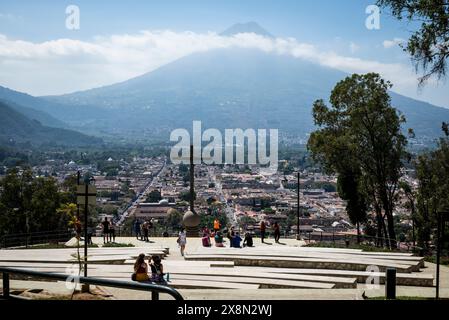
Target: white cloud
<point>393,43</point>
<point>67,65</point>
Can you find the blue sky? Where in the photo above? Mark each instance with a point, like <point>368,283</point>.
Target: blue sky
<point>331,27</point>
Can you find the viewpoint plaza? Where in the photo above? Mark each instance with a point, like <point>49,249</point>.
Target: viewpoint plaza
<point>285,271</point>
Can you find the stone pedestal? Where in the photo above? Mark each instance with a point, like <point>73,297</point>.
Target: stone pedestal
<point>193,232</point>
<point>191,221</point>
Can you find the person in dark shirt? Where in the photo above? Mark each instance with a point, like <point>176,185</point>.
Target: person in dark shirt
<point>137,229</point>
<point>236,240</point>
<point>105,224</point>
<point>248,241</point>
<point>277,232</point>
<point>157,270</point>
<point>262,230</point>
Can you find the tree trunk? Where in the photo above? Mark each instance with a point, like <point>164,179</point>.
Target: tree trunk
<point>379,242</point>
<point>391,231</point>
<point>358,232</point>
<point>387,238</point>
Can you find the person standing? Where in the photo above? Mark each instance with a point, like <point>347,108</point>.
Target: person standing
<point>145,231</point>
<point>78,228</point>
<point>89,236</point>
<point>262,230</point>
<point>216,225</point>
<point>137,229</point>
<point>105,224</point>
<point>277,232</point>
<point>182,240</point>
<point>112,232</point>
<point>150,226</point>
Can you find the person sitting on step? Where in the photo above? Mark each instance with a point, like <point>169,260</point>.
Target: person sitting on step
<point>236,240</point>
<point>248,241</point>
<point>157,269</point>
<point>219,239</point>
<point>140,269</point>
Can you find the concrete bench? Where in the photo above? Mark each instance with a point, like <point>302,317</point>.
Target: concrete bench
<point>414,261</point>
<point>287,262</point>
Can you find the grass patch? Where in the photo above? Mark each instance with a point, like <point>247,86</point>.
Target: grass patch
<point>433,259</point>
<point>118,245</point>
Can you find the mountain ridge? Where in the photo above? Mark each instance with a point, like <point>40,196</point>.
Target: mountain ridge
<point>239,87</point>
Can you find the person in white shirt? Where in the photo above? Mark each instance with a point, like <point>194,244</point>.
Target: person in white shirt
<point>182,240</point>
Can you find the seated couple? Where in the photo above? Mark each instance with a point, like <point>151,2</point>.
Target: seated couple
<point>235,239</point>
<point>141,270</point>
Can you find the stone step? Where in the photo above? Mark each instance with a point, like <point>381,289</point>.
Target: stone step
<point>339,282</point>
<point>308,254</point>
<point>262,282</point>
<point>404,279</point>
<point>204,284</point>
<point>291,262</point>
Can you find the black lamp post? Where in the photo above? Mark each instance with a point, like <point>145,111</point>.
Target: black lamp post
<point>298,233</point>
<point>88,181</point>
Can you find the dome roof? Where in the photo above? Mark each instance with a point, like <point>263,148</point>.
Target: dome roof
<point>163,201</point>
<point>191,219</point>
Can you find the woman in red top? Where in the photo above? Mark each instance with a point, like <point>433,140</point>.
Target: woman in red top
<point>141,269</point>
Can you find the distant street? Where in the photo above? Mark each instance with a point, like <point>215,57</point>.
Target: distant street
<point>229,210</point>
<point>141,196</point>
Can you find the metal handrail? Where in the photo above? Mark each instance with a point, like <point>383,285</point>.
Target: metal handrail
<point>154,288</point>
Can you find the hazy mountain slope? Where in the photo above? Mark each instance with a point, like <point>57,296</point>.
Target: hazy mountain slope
<point>48,112</point>
<point>43,117</point>
<point>230,88</point>
<point>14,126</point>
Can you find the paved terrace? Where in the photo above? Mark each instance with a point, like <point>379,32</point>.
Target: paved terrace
<point>267,271</point>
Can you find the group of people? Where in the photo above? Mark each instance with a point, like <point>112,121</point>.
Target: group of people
<point>235,240</point>
<point>108,230</point>
<point>142,230</point>
<point>141,271</point>
<point>276,231</point>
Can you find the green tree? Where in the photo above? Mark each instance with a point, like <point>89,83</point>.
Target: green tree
<point>432,197</point>
<point>185,196</point>
<point>350,189</point>
<point>154,196</point>
<point>174,219</point>
<point>429,45</point>
<point>361,133</point>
